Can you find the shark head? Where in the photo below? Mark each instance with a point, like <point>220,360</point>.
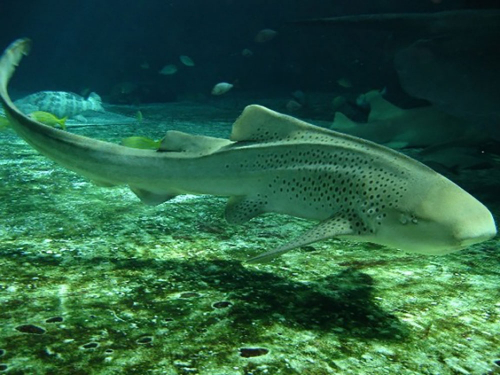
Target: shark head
<point>439,220</point>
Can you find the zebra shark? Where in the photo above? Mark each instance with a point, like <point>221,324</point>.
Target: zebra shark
<point>356,189</point>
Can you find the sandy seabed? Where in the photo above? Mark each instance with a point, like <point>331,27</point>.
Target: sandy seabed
<point>94,282</point>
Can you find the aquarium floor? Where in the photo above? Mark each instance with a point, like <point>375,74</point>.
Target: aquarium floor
<point>94,282</point>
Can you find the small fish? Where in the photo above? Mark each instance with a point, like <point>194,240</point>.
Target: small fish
<point>186,60</point>
<point>139,117</point>
<point>246,53</point>
<point>293,105</point>
<point>168,70</point>
<point>144,65</point>
<point>299,96</point>
<point>141,142</point>
<point>221,88</point>
<point>344,82</point>
<point>265,35</point>
<point>49,119</point>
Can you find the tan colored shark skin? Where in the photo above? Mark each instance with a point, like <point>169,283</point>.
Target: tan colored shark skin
<point>275,163</point>
<point>401,128</point>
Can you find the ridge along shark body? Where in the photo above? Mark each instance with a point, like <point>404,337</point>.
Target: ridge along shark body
<point>275,163</point>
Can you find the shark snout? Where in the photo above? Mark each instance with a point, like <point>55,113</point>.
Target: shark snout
<point>477,235</point>
<point>478,228</point>
<point>455,218</point>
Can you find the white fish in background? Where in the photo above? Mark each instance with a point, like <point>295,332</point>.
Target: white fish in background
<point>299,96</point>
<point>221,88</point>
<point>60,103</point>
<point>344,82</point>
<point>168,70</point>
<point>293,105</point>
<point>246,53</point>
<point>265,35</point>
<point>186,60</point>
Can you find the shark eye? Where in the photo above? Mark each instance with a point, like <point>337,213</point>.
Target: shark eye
<point>406,218</point>
<point>403,219</point>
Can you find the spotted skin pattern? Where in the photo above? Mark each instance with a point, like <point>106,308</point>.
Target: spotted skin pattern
<point>59,103</point>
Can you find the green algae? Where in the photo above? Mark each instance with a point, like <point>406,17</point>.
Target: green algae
<point>119,287</point>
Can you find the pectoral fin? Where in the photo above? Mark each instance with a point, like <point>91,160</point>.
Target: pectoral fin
<point>241,209</point>
<point>381,109</point>
<point>343,123</point>
<point>150,198</point>
<point>336,226</point>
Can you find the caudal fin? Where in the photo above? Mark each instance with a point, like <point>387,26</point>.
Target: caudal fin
<point>8,63</point>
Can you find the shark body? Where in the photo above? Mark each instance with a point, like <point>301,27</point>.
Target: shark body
<point>276,163</point>
<point>442,57</point>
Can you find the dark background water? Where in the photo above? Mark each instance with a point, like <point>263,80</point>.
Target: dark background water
<point>100,45</point>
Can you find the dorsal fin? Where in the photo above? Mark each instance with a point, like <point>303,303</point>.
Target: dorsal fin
<point>176,141</point>
<point>381,109</point>
<point>341,122</point>
<point>9,61</point>
<point>258,123</point>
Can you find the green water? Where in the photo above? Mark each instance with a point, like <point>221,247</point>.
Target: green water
<point>94,282</point>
